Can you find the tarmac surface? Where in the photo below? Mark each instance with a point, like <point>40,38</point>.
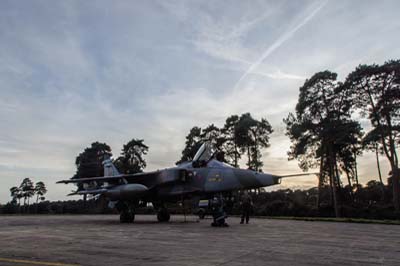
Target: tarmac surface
<point>67,240</point>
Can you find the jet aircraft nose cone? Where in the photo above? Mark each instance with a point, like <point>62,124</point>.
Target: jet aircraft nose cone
<point>267,179</point>
<point>250,179</point>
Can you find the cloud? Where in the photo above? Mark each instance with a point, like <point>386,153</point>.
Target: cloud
<point>283,38</point>
<point>72,74</point>
<point>223,36</point>
<point>278,75</point>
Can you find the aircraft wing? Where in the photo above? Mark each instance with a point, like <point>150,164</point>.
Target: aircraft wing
<point>121,185</point>
<point>92,191</point>
<point>106,178</point>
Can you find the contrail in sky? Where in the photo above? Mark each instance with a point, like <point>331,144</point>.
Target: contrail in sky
<point>280,41</point>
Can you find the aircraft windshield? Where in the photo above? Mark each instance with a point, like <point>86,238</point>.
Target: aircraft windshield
<point>205,153</point>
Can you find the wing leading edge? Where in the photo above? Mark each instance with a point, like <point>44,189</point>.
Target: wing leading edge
<point>105,178</point>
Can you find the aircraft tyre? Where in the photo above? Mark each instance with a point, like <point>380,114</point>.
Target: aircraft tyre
<point>127,217</point>
<point>163,216</point>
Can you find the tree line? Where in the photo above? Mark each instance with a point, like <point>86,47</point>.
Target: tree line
<point>26,190</point>
<point>131,160</point>
<point>324,130</point>
<point>367,204</point>
<point>240,136</point>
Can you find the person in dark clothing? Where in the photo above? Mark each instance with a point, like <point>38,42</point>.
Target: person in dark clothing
<point>247,205</point>
<point>218,213</point>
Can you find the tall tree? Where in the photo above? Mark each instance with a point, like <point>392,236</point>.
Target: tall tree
<point>372,142</point>
<point>16,194</point>
<point>252,136</point>
<point>40,190</point>
<point>131,160</point>
<point>322,130</point>
<point>192,144</point>
<point>230,145</point>
<point>376,91</point>
<point>28,190</point>
<point>89,162</point>
<point>213,135</point>
<point>347,146</point>
<point>244,136</point>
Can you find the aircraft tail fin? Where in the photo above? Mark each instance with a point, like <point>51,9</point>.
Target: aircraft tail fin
<point>109,168</point>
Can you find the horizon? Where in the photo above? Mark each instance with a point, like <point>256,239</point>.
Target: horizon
<point>73,73</point>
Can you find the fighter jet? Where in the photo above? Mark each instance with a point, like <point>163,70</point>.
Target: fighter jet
<point>202,178</point>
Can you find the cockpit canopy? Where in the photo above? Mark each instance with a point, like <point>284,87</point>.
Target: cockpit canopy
<point>206,156</point>
<point>205,153</point>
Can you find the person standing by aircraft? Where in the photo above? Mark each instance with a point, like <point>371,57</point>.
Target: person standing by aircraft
<point>218,212</point>
<point>247,205</point>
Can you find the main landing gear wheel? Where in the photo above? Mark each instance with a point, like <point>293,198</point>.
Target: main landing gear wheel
<point>127,217</point>
<point>202,214</point>
<point>163,215</point>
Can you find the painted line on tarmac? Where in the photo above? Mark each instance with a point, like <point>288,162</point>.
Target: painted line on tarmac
<point>32,262</point>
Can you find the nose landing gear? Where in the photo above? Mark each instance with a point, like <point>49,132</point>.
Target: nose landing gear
<point>126,212</point>
<point>127,216</point>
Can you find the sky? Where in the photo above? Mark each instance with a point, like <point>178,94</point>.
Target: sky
<point>75,72</point>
